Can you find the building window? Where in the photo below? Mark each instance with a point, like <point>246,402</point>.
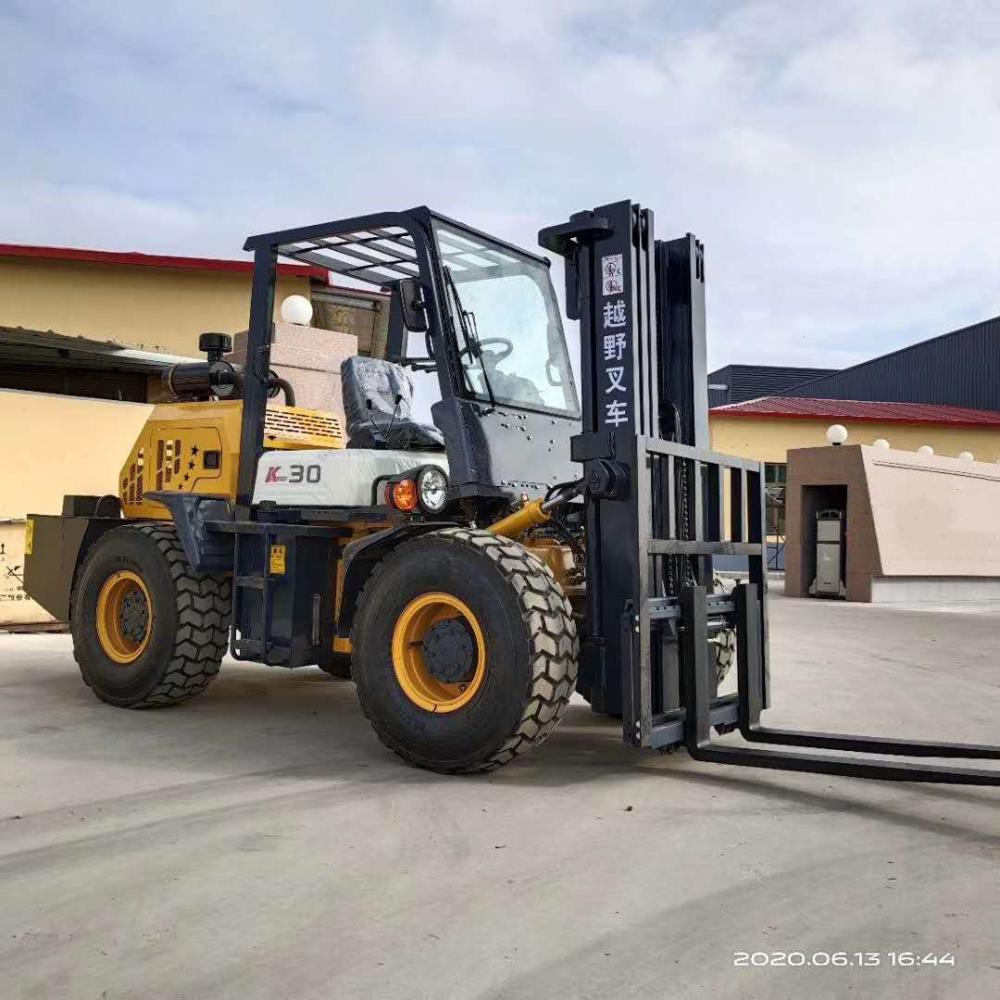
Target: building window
<point>774,489</point>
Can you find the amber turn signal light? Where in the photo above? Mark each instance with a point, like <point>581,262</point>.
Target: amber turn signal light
<point>403,495</point>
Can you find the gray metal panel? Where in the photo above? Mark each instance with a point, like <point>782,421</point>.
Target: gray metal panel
<point>961,368</point>
<point>745,382</point>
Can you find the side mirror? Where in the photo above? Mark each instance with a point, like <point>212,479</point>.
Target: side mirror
<point>411,296</point>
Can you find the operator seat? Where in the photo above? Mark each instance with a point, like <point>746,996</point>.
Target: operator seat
<point>378,404</point>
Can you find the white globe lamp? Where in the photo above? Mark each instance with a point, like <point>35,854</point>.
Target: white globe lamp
<point>966,456</point>
<point>297,309</point>
<point>836,434</point>
<point>925,449</point>
<point>880,443</point>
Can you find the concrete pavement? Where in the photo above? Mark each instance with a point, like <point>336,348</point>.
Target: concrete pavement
<point>259,842</point>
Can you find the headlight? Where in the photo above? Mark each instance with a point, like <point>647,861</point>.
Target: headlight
<point>432,488</point>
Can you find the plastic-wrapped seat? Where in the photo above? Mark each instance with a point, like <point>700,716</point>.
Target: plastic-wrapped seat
<point>378,404</point>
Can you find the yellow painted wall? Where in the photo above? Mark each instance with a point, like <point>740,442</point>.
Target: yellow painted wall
<point>768,439</point>
<point>52,445</point>
<point>154,308</point>
<point>49,446</point>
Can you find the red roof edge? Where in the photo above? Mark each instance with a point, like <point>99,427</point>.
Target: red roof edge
<point>858,412</point>
<point>155,260</point>
<point>847,418</point>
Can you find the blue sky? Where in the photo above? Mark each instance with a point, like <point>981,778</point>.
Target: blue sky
<point>841,161</point>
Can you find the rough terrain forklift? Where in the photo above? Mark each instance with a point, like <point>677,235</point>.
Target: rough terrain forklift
<point>469,573</point>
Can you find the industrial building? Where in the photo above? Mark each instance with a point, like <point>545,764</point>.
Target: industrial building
<point>767,428</point>
<point>738,383</point>
<point>99,303</point>
<point>942,393</point>
<point>961,368</point>
<point>85,337</point>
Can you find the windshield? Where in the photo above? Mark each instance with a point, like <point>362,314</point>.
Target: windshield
<point>507,322</point>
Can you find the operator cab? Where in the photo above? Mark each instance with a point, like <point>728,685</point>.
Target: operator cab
<point>503,314</point>
<point>471,316</point>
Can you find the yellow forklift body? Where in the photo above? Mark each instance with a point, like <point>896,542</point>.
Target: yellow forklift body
<point>194,448</point>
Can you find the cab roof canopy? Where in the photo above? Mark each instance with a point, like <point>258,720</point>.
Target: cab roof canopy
<point>380,249</point>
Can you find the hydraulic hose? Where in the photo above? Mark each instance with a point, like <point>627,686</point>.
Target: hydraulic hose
<point>276,382</point>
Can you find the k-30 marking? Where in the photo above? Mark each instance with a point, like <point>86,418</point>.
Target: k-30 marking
<point>297,473</point>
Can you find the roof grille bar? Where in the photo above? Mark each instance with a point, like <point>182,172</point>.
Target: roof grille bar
<point>365,273</point>
<point>352,247</point>
<point>401,238</point>
<point>374,241</point>
<point>351,250</point>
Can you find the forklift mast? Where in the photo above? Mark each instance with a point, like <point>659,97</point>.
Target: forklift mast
<point>662,505</point>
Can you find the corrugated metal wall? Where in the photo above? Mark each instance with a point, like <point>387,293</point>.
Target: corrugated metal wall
<point>957,369</point>
<point>745,382</point>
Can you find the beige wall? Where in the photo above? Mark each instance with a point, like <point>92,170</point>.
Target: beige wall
<point>768,439</point>
<point>909,516</point>
<point>53,445</point>
<point>934,516</point>
<point>50,446</point>
<point>154,308</point>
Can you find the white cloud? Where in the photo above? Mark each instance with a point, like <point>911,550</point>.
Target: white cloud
<point>839,162</point>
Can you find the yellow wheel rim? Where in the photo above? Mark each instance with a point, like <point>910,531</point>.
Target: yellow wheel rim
<point>124,617</point>
<point>415,678</point>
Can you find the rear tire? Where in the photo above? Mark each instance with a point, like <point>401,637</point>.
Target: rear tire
<point>184,631</point>
<point>523,624</point>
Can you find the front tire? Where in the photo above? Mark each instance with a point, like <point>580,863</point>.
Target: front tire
<point>504,654</point>
<point>147,630</point>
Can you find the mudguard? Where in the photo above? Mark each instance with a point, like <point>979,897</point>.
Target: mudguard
<point>362,556</point>
<point>207,551</point>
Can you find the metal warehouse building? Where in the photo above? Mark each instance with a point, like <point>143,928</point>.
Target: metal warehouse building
<point>961,368</point>
<point>738,383</point>
<point>943,393</point>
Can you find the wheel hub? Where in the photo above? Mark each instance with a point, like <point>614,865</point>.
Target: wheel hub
<point>439,652</point>
<point>124,615</point>
<point>450,652</point>
<point>134,615</point>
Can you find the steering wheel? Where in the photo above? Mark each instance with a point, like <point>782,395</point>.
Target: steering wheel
<point>507,348</point>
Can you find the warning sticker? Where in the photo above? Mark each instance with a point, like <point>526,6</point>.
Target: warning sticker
<point>278,559</point>
<point>612,278</point>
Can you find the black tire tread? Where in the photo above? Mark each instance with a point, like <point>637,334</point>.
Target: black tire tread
<point>548,616</point>
<point>203,608</point>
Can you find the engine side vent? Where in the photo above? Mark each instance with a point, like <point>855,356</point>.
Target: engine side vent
<point>132,489</point>
<point>168,461</point>
<point>290,427</point>
<point>159,463</point>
